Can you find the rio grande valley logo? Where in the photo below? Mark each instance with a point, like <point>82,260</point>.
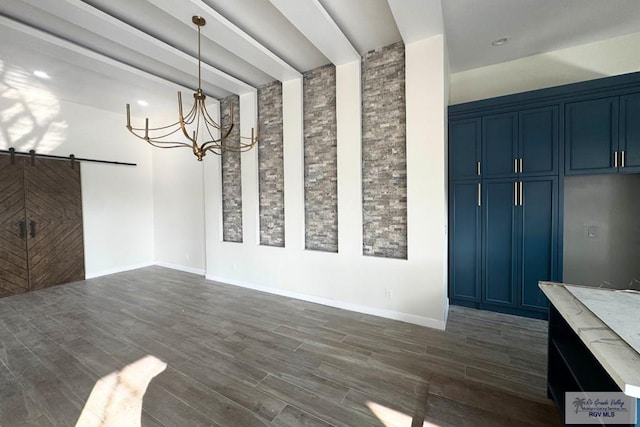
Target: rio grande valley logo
<point>599,408</point>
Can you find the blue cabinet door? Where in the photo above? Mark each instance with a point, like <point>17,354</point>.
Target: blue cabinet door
<point>499,236</point>
<point>538,245</point>
<point>464,241</point>
<point>499,145</point>
<point>630,133</point>
<point>591,136</point>
<point>464,149</point>
<point>538,134</point>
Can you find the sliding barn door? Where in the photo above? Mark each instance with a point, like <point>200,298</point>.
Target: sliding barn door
<point>14,268</point>
<point>53,202</point>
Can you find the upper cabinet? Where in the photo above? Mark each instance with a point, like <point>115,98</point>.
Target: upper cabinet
<point>499,145</point>
<point>464,149</point>
<point>592,136</point>
<point>603,135</point>
<point>538,141</point>
<point>521,144</point>
<point>629,146</point>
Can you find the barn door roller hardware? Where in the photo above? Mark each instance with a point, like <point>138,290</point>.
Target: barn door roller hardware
<point>73,159</point>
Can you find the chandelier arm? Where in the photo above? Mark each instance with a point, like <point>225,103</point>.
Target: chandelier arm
<point>154,143</point>
<point>222,138</point>
<point>210,119</point>
<point>184,130</point>
<point>190,115</point>
<point>212,142</point>
<point>175,145</point>
<point>157,137</point>
<point>188,119</point>
<point>213,149</point>
<point>158,128</point>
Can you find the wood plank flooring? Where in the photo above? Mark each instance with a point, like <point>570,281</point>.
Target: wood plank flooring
<point>236,357</point>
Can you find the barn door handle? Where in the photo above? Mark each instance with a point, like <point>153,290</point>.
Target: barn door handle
<point>22,232</point>
<point>32,228</point>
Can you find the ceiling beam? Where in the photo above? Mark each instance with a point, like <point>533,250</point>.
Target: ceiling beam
<point>417,19</point>
<point>83,58</point>
<point>104,25</point>
<point>313,21</point>
<point>226,34</point>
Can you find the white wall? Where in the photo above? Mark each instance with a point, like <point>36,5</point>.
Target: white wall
<point>178,201</point>
<point>117,200</point>
<point>585,62</point>
<point>348,279</point>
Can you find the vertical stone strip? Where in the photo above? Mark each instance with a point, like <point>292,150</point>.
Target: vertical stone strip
<point>320,159</point>
<point>384,166</point>
<point>271,164</point>
<point>231,175</point>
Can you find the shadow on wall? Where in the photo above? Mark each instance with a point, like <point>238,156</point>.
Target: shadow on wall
<point>29,113</point>
<point>531,73</point>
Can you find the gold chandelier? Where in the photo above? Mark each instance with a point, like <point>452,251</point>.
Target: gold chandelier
<point>204,124</point>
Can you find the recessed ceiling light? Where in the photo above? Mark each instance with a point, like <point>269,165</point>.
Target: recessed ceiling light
<point>499,41</point>
<point>143,103</point>
<point>41,74</point>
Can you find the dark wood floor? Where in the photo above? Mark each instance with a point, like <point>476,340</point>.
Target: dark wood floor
<point>194,352</point>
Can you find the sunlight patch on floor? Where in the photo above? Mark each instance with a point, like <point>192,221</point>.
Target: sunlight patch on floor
<point>392,418</point>
<point>116,400</point>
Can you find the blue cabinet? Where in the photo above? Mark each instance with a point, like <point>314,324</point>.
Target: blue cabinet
<point>521,144</point>
<point>592,136</point>
<point>629,146</point>
<point>499,242</point>
<point>464,149</point>
<point>518,148</point>
<point>464,235</point>
<point>603,135</point>
<point>538,141</point>
<point>499,145</point>
<point>538,244</point>
<point>519,241</point>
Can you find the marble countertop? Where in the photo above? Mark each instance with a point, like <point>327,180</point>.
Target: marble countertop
<point>619,310</point>
<point>616,356</point>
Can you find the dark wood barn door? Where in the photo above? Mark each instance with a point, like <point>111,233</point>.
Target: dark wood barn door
<point>54,222</point>
<point>41,234</point>
<point>14,268</point>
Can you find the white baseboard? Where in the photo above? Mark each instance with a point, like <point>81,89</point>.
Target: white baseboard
<point>446,311</point>
<point>387,314</point>
<point>198,271</point>
<point>92,275</point>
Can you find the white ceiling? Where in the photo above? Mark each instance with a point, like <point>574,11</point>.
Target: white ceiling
<point>100,52</point>
<point>533,27</point>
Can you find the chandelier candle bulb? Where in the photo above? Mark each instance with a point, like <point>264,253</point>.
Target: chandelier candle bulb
<point>197,117</point>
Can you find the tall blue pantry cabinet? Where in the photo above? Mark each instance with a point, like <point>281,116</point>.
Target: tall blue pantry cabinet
<point>504,216</point>
<point>507,160</point>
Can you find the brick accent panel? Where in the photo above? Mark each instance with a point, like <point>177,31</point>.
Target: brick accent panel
<point>384,166</point>
<point>320,159</point>
<point>231,178</point>
<point>271,164</point>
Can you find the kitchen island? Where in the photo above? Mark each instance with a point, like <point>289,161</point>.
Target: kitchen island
<point>585,354</point>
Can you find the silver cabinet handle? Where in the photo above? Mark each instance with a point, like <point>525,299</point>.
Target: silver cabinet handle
<point>615,159</point>
<point>478,168</point>
<point>479,194</point>
<point>521,194</point>
<point>515,165</point>
<point>515,193</point>
<point>622,154</point>
<point>520,164</point>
